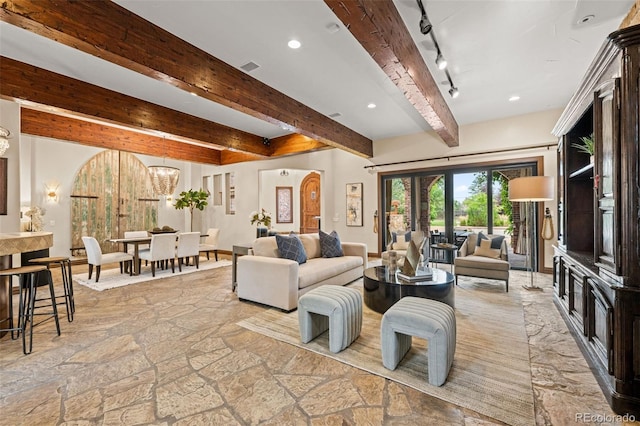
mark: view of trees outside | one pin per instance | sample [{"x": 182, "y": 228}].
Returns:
[{"x": 470, "y": 203}]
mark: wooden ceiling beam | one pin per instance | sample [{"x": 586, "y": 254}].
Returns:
[
  {"x": 55, "y": 126},
  {"x": 108, "y": 31},
  {"x": 294, "y": 144},
  {"x": 21, "y": 81},
  {"x": 379, "y": 28}
]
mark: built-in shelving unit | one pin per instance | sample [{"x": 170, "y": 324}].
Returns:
[{"x": 596, "y": 269}]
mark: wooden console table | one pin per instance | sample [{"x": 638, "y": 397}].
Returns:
[{"x": 12, "y": 243}]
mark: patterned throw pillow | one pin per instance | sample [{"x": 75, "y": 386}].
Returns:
[
  {"x": 290, "y": 247},
  {"x": 496, "y": 240},
  {"x": 330, "y": 244}
]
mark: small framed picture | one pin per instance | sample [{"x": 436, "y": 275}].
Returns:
[
  {"x": 354, "y": 204},
  {"x": 284, "y": 204}
]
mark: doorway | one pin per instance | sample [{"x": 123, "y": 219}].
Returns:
[
  {"x": 111, "y": 193},
  {"x": 449, "y": 204},
  {"x": 310, "y": 204}
]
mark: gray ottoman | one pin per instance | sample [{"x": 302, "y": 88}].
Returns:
[
  {"x": 429, "y": 319},
  {"x": 336, "y": 308}
]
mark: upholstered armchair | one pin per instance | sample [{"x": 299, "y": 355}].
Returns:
[
  {"x": 210, "y": 243},
  {"x": 400, "y": 243},
  {"x": 489, "y": 260}
]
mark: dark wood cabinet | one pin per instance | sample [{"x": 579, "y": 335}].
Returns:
[{"x": 597, "y": 258}]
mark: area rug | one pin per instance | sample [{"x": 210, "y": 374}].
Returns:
[
  {"x": 491, "y": 373},
  {"x": 112, "y": 278}
]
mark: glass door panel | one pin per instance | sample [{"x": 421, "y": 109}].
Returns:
[{"x": 470, "y": 207}]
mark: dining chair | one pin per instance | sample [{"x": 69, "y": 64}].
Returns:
[
  {"x": 137, "y": 234},
  {"x": 162, "y": 248},
  {"x": 96, "y": 258},
  {"x": 210, "y": 243},
  {"x": 188, "y": 246}
]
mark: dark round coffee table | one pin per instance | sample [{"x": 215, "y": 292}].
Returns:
[{"x": 382, "y": 289}]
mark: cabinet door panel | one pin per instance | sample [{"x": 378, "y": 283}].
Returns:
[{"x": 607, "y": 137}]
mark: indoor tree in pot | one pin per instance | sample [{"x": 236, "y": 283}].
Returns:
[{"x": 192, "y": 199}]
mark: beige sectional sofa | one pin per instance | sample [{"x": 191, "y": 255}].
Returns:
[{"x": 266, "y": 278}]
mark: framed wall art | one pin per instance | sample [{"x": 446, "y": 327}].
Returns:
[
  {"x": 354, "y": 204},
  {"x": 284, "y": 204}
]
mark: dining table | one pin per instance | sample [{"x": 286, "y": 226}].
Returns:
[{"x": 136, "y": 242}]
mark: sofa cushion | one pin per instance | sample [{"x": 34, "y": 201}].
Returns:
[
  {"x": 320, "y": 269},
  {"x": 400, "y": 245},
  {"x": 496, "y": 240},
  {"x": 330, "y": 244},
  {"x": 290, "y": 247},
  {"x": 481, "y": 262},
  {"x": 311, "y": 243},
  {"x": 485, "y": 250},
  {"x": 265, "y": 246}
]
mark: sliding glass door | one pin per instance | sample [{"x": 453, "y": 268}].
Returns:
[{"x": 449, "y": 204}]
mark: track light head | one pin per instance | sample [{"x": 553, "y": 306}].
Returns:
[
  {"x": 425, "y": 24},
  {"x": 441, "y": 62},
  {"x": 454, "y": 92}
]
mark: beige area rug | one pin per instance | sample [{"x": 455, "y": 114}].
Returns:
[
  {"x": 112, "y": 278},
  {"x": 491, "y": 373}
]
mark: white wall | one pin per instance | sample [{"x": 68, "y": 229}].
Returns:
[
  {"x": 56, "y": 161},
  {"x": 10, "y": 120}
]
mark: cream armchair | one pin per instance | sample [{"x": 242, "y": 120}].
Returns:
[
  {"x": 400, "y": 246},
  {"x": 482, "y": 262}
]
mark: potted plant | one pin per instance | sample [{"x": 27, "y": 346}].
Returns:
[
  {"x": 192, "y": 199},
  {"x": 587, "y": 146}
]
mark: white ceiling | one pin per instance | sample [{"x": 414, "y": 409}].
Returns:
[{"x": 495, "y": 49}]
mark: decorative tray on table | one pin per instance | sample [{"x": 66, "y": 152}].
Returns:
[{"x": 447, "y": 245}]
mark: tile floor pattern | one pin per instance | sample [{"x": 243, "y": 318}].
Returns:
[{"x": 169, "y": 352}]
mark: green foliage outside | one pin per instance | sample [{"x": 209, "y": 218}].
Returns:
[
  {"x": 436, "y": 201},
  {"x": 397, "y": 193}
]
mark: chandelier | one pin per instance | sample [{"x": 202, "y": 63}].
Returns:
[
  {"x": 164, "y": 179},
  {"x": 4, "y": 140}
]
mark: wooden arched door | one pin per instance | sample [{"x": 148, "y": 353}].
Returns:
[
  {"x": 111, "y": 193},
  {"x": 310, "y": 203}
]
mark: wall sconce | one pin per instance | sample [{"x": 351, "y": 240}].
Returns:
[
  {"x": 284, "y": 172},
  {"x": 52, "y": 193}
]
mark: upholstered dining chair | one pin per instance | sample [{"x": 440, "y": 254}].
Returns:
[
  {"x": 96, "y": 258},
  {"x": 210, "y": 243},
  {"x": 188, "y": 246},
  {"x": 136, "y": 234},
  {"x": 161, "y": 248}
]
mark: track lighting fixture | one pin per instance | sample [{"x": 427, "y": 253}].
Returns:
[
  {"x": 425, "y": 24},
  {"x": 441, "y": 62}
]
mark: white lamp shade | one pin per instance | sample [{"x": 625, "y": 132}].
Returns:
[{"x": 531, "y": 188}]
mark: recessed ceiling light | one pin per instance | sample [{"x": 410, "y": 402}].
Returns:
[
  {"x": 294, "y": 44},
  {"x": 586, "y": 19},
  {"x": 371, "y": 105},
  {"x": 193, "y": 93},
  {"x": 333, "y": 28},
  {"x": 514, "y": 98}
]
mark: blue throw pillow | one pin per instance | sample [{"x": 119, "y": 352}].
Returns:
[
  {"x": 290, "y": 247},
  {"x": 330, "y": 244},
  {"x": 496, "y": 240}
]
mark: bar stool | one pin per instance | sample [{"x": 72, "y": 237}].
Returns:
[
  {"x": 28, "y": 276},
  {"x": 67, "y": 280}
]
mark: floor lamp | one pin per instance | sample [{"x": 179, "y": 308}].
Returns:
[{"x": 530, "y": 189}]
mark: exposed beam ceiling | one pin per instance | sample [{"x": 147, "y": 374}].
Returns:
[
  {"x": 39, "y": 123},
  {"x": 106, "y": 30},
  {"x": 379, "y": 28}
]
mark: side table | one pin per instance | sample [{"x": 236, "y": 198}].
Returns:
[
  {"x": 237, "y": 250},
  {"x": 453, "y": 249}
]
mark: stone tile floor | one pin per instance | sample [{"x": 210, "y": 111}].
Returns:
[{"x": 169, "y": 352}]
